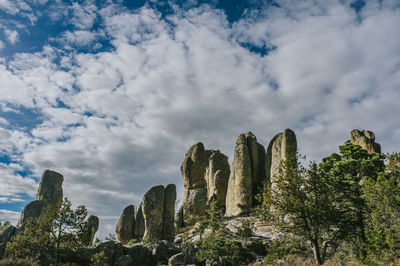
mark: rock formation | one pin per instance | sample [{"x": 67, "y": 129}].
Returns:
[
  {"x": 139, "y": 224},
  {"x": 90, "y": 230},
  {"x": 365, "y": 139},
  {"x": 32, "y": 209},
  {"x": 247, "y": 175},
  {"x": 205, "y": 173},
  {"x": 283, "y": 146},
  {"x": 50, "y": 188},
  {"x": 154, "y": 218},
  {"x": 153, "y": 211},
  {"x": 168, "y": 227},
  {"x": 126, "y": 224},
  {"x": 217, "y": 177},
  {"x": 49, "y": 192}
]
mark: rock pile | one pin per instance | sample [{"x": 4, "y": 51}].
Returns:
[
  {"x": 365, "y": 139},
  {"x": 154, "y": 219},
  {"x": 205, "y": 174}
]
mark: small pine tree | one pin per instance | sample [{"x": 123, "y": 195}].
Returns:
[{"x": 245, "y": 230}]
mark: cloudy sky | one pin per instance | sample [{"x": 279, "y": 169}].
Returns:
[{"x": 112, "y": 93}]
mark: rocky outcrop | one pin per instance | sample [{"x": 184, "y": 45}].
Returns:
[
  {"x": 7, "y": 230},
  {"x": 205, "y": 174},
  {"x": 139, "y": 224},
  {"x": 217, "y": 177},
  {"x": 157, "y": 214},
  {"x": 365, "y": 139},
  {"x": 247, "y": 175},
  {"x": 50, "y": 188},
  {"x": 49, "y": 193},
  {"x": 126, "y": 225},
  {"x": 153, "y": 210},
  {"x": 168, "y": 227},
  {"x": 283, "y": 146},
  {"x": 92, "y": 225},
  {"x": 32, "y": 209}
]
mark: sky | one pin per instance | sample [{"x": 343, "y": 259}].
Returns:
[{"x": 112, "y": 93}]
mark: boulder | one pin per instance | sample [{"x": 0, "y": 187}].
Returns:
[
  {"x": 365, "y": 139},
  {"x": 153, "y": 211},
  {"x": 239, "y": 193},
  {"x": 141, "y": 256},
  {"x": 193, "y": 168},
  {"x": 193, "y": 205},
  {"x": 168, "y": 225},
  {"x": 163, "y": 250},
  {"x": 283, "y": 146},
  {"x": 177, "y": 260},
  {"x": 139, "y": 224},
  {"x": 32, "y": 209},
  {"x": 126, "y": 225},
  {"x": 50, "y": 188},
  {"x": 217, "y": 177},
  {"x": 7, "y": 230},
  {"x": 91, "y": 228},
  {"x": 124, "y": 260},
  {"x": 205, "y": 173}
]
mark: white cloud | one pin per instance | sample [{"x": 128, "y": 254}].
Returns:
[
  {"x": 9, "y": 216},
  {"x": 134, "y": 111},
  {"x": 2, "y": 45},
  {"x": 12, "y": 36},
  {"x": 78, "y": 38}
]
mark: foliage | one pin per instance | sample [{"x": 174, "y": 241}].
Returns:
[
  {"x": 257, "y": 246},
  {"x": 4, "y": 225},
  {"x": 49, "y": 234},
  {"x": 221, "y": 251},
  {"x": 347, "y": 172},
  {"x": 245, "y": 230},
  {"x": 100, "y": 258},
  {"x": 382, "y": 197},
  {"x": 214, "y": 212},
  {"x": 286, "y": 245},
  {"x": 111, "y": 237},
  {"x": 35, "y": 241}
]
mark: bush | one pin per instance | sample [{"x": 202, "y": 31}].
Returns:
[
  {"x": 285, "y": 247},
  {"x": 222, "y": 251},
  {"x": 258, "y": 247}
]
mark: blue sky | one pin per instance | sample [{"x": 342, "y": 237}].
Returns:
[{"x": 112, "y": 93}]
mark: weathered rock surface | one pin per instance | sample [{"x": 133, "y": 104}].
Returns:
[
  {"x": 91, "y": 228},
  {"x": 50, "y": 188},
  {"x": 283, "y": 146},
  {"x": 32, "y": 209},
  {"x": 177, "y": 260},
  {"x": 126, "y": 225},
  {"x": 247, "y": 175},
  {"x": 205, "y": 173},
  {"x": 365, "y": 139},
  {"x": 217, "y": 177},
  {"x": 7, "y": 231},
  {"x": 139, "y": 224},
  {"x": 153, "y": 211},
  {"x": 168, "y": 225}
]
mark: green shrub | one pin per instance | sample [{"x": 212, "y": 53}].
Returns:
[{"x": 222, "y": 251}]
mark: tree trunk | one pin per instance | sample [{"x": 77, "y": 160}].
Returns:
[{"x": 317, "y": 253}]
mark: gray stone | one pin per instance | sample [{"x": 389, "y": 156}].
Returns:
[
  {"x": 126, "y": 225},
  {"x": 177, "y": 260},
  {"x": 217, "y": 177},
  {"x": 239, "y": 193},
  {"x": 365, "y": 139},
  {"x": 50, "y": 188},
  {"x": 141, "y": 256},
  {"x": 32, "y": 209},
  {"x": 153, "y": 211},
  {"x": 91, "y": 228},
  {"x": 139, "y": 224},
  {"x": 194, "y": 205},
  {"x": 280, "y": 147},
  {"x": 7, "y": 231},
  {"x": 193, "y": 168},
  {"x": 168, "y": 231}
]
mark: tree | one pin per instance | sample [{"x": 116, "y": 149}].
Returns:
[
  {"x": 214, "y": 213},
  {"x": 245, "y": 230},
  {"x": 303, "y": 201},
  {"x": 346, "y": 173},
  {"x": 382, "y": 197},
  {"x": 68, "y": 227},
  {"x": 35, "y": 241},
  {"x": 53, "y": 231}
]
